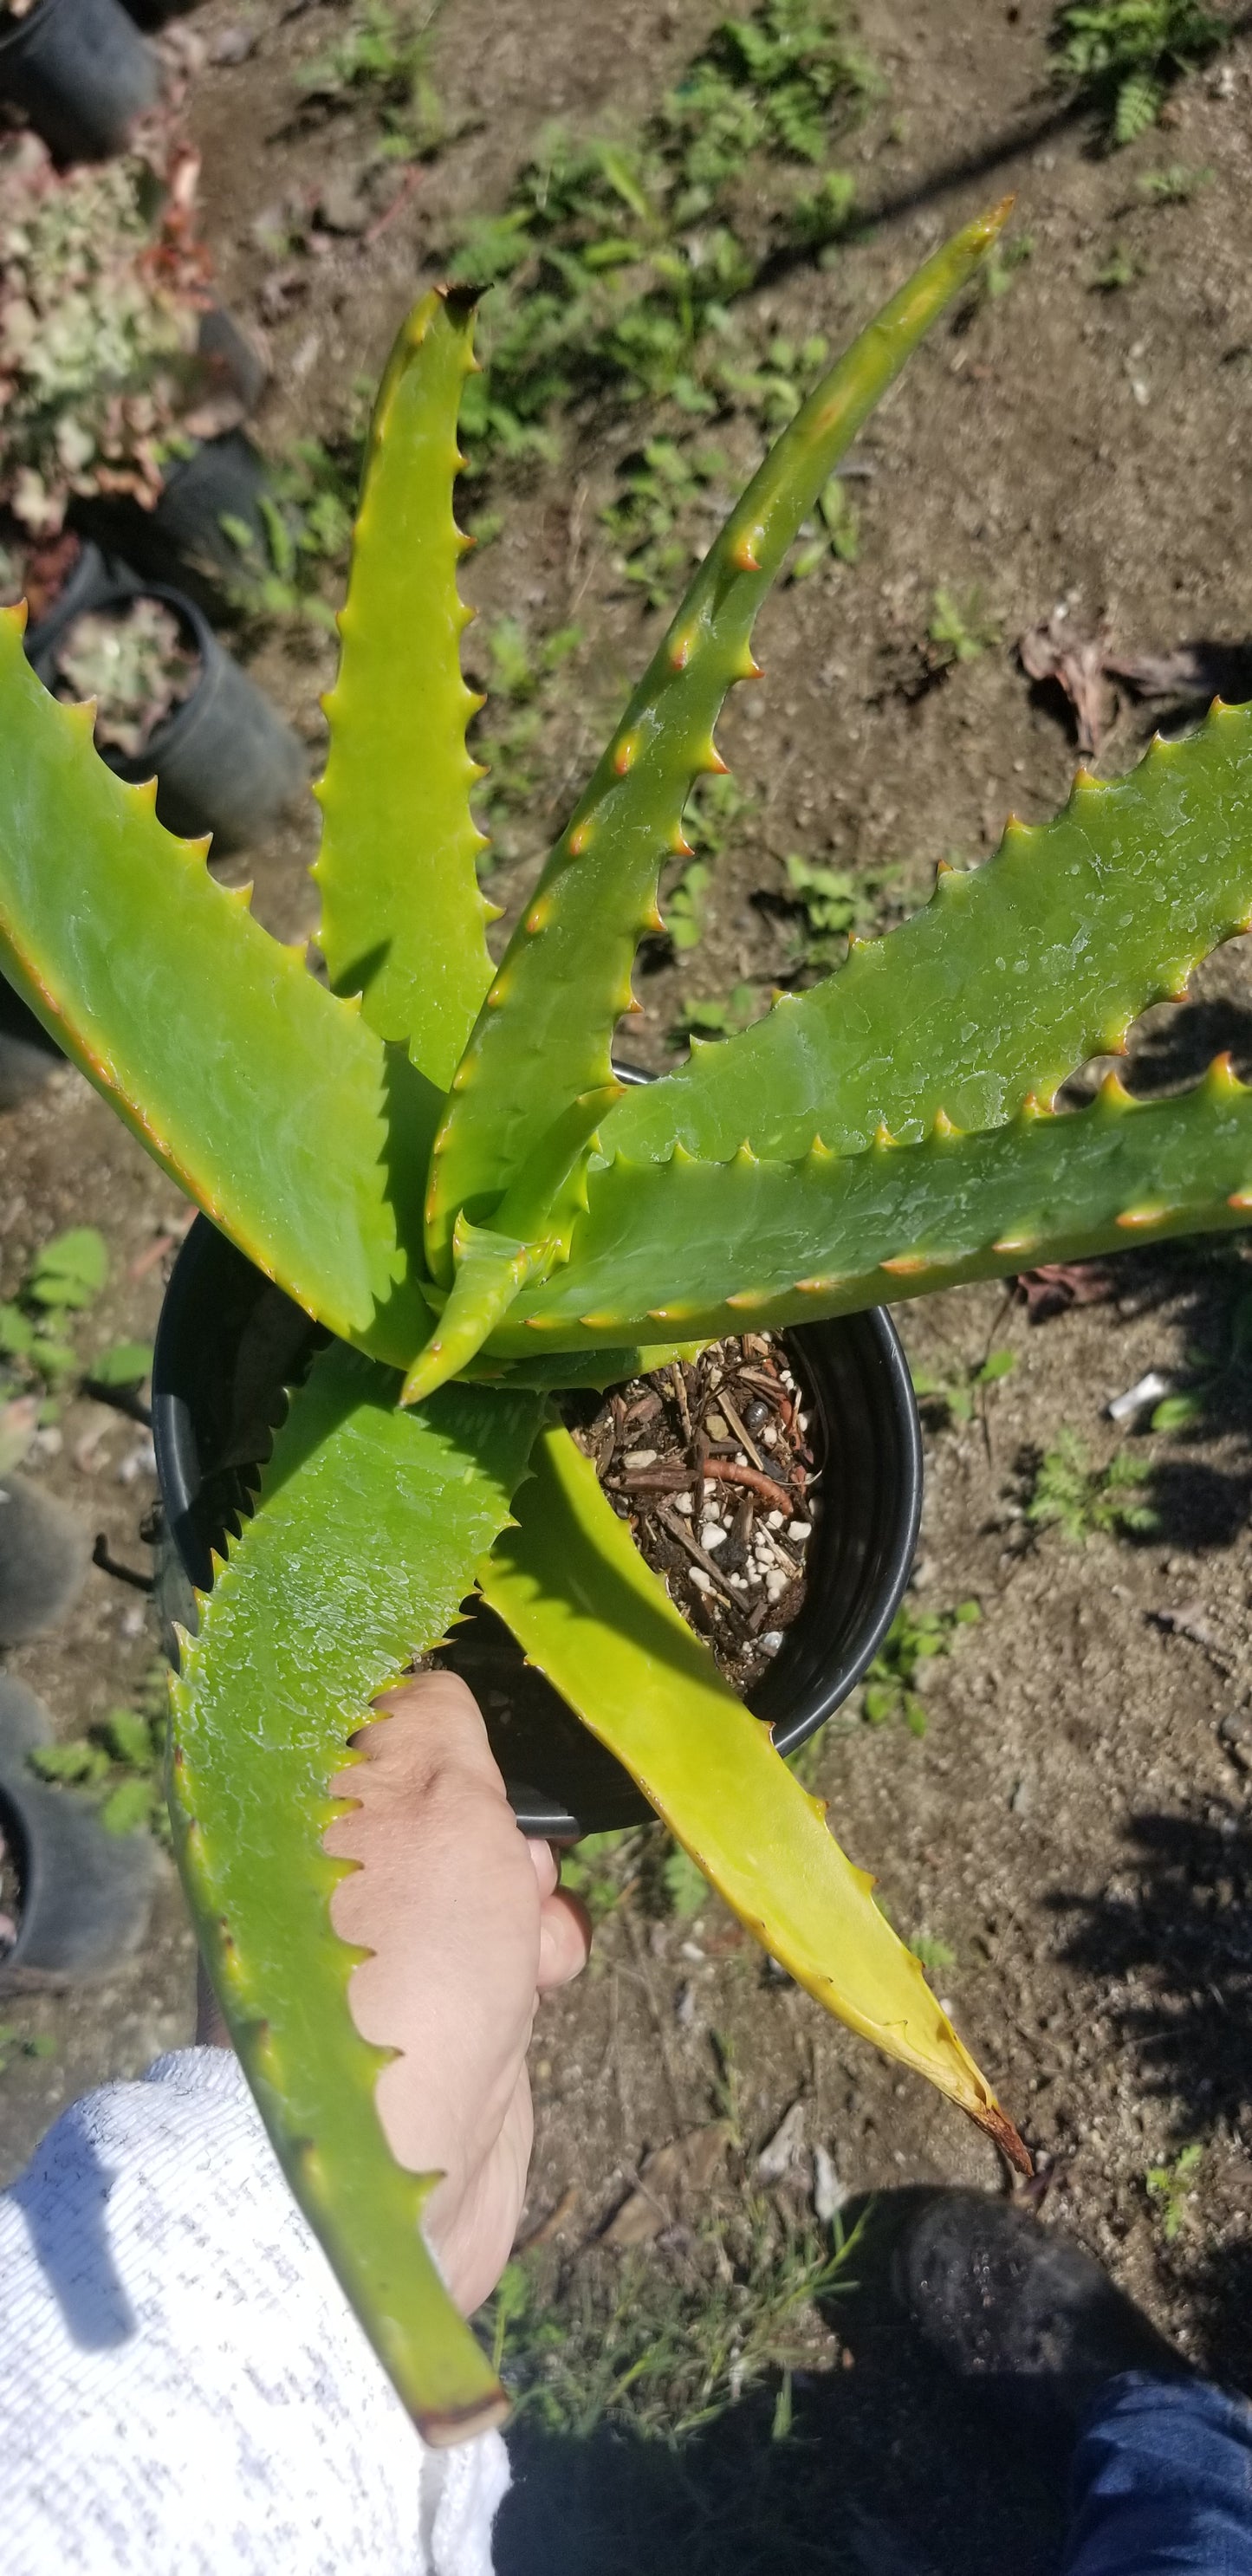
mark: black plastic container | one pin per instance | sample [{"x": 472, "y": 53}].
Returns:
[
  {"x": 228, "y": 1342},
  {"x": 86, "y": 1894},
  {"x": 80, "y": 72},
  {"x": 224, "y": 760}
]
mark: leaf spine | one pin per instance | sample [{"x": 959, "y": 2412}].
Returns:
[
  {"x": 743, "y": 554},
  {"x": 1151, "y": 1214},
  {"x": 577, "y": 840},
  {"x": 625, "y": 753},
  {"x": 906, "y": 1265}
]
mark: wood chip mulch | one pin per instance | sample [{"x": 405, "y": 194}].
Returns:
[{"x": 710, "y": 1463}]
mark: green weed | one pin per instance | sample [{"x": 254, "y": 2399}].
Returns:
[
  {"x": 614, "y": 265},
  {"x": 710, "y": 1018},
  {"x": 916, "y": 1639},
  {"x": 36, "y": 1353},
  {"x": 383, "y": 59},
  {"x": 956, "y": 1398},
  {"x": 1126, "y": 53},
  {"x": 836, "y": 531},
  {"x": 659, "y": 2346},
  {"x": 1172, "y": 2185},
  {"x": 935, "y": 1955},
  {"x": 119, "y": 1762},
  {"x": 959, "y": 629},
  {"x": 1086, "y": 1502},
  {"x": 597, "y": 1868},
  {"x": 1119, "y": 270},
  {"x": 12, "y": 2045},
  {"x": 1175, "y": 186}
]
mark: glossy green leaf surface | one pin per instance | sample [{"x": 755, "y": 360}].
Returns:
[
  {"x": 491, "y": 1268},
  {"x": 543, "y": 1036},
  {"x": 573, "y": 1587},
  {"x": 1014, "y": 973},
  {"x": 366, "y": 1533},
  {"x": 402, "y": 913},
  {"x": 703, "y": 1249},
  {"x": 264, "y": 1097}
]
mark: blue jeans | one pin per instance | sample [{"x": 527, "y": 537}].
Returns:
[{"x": 1161, "y": 2483}]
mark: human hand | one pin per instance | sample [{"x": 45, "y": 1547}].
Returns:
[{"x": 467, "y": 1928}]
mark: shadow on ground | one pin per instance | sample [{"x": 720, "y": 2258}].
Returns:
[
  {"x": 885, "y": 2470},
  {"x": 1172, "y": 1948}
]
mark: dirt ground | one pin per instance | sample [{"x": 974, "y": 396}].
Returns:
[{"x": 1074, "y": 1823}]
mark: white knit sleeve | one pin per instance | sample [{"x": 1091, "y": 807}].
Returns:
[{"x": 184, "y": 2390}]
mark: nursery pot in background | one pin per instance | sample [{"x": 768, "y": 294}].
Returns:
[
  {"x": 85, "y": 1894},
  {"x": 80, "y": 72},
  {"x": 224, "y": 760},
  {"x": 228, "y": 1344}
]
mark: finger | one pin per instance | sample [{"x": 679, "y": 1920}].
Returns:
[
  {"x": 564, "y": 1940},
  {"x": 547, "y": 1866}
]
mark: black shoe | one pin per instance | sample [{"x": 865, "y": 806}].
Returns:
[{"x": 1018, "y": 2311}]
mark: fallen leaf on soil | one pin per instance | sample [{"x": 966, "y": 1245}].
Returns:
[
  {"x": 1057, "y": 1285},
  {"x": 1059, "y": 650},
  {"x": 784, "y": 2150}
]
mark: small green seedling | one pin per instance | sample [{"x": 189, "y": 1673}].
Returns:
[
  {"x": 1127, "y": 52},
  {"x": 955, "y": 1398},
  {"x": 430, "y": 1152},
  {"x": 65, "y": 1278},
  {"x": 381, "y": 58},
  {"x": 1174, "y": 186},
  {"x": 699, "y": 1020},
  {"x": 14, "y": 2044},
  {"x": 915, "y": 1640},
  {"x": 120, "y": 1762},
  {"x": 1119, "y": 270},
  {"x": 1172, "y": 2187},
  {"x": 959, "y": 628},
  {"x": 935, "y": 1955},
  {"x": 1086, "y": 1502}
]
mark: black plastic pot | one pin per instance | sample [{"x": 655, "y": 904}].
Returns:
[
  {"x": 80, "y": 72},
  {"x": 95, "y": 578},
  {"x": 86, "y": 1894},
  {"x": 224, "y": 478},
  {"x": 224, "y": 760},
  {"x": 229, "y": 1341}
]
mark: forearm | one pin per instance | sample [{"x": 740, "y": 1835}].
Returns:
[{"x": 182, "y": 2383}]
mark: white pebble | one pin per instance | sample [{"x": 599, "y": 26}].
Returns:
[
  {"x": 641, "y": 1457},
  {"x": 799, "y": 1529},
  {"x": 713, "y": 1535},
  {"x": 771, "y": 1641},
  {"x": 682, "y": 1503},
  {"x": 740, "y": 1581},
  {"x": 769, "y": 1436},
  {"x": 775, "y": 1585},
  {"x": 774, "y": 1520},
  {"x": 702, "y": 1581}
]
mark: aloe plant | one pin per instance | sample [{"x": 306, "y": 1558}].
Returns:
[{"x": 432, "y": 1155}]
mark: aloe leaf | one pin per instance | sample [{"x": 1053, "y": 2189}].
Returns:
[
  {"x": 402, "y": 914},
  {"x": 491, "y": 1268},
  {"x": 264, "y": 1097},
  {"x": 575, "y": 1591},
  {"x": 704, "y": 1249},
  {"x": 1013, "y": 974},
  {"x": 361, "y": 1549},
  {"x": 543, "y": 1035}
]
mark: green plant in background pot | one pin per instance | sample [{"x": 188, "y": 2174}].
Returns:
[
  {"x": 102, "y": 292},
  {"x": 434, "y": 1158}
]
